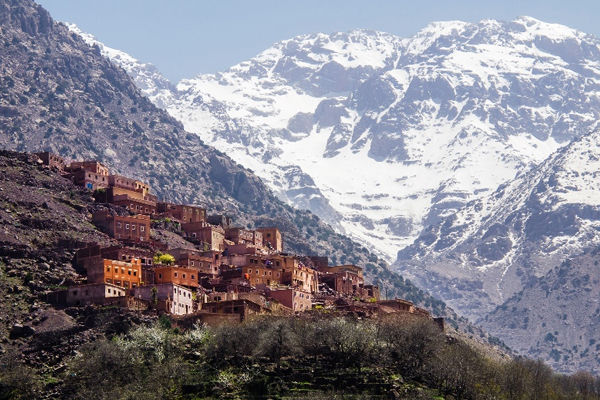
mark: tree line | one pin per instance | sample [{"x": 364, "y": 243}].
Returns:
[{"x": 319, "y": 357}]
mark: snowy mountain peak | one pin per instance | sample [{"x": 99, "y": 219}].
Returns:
[{"x": 419, "y": 126}]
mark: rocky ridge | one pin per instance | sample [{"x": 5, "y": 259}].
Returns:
[{"x": 494, "y": 257}]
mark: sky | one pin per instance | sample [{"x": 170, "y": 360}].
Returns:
[{"x": 184, "y": 38}]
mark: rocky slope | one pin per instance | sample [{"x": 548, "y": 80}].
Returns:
[
  {"x": 57, "y": 93},
  {"x": 419, "y": 126},
  {"x": 509, "y": 243},
  {"x": 557, "y": 316}
]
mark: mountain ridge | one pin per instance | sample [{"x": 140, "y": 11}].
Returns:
[
  {"x": 496, "y": 253},
  {"x": 425, "y": 111}
]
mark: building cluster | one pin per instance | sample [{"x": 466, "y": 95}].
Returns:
[{"x": 224, "y": 272}]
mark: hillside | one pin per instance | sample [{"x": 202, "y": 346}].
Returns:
[
  {"x": 60, "y": 94},
  {"x": 420, "y": 125},
  {"x": 556, "y": 317},
  {"x": 503, "y": 250}
]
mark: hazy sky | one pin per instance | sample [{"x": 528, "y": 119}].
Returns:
[{"x": 186, "y": 37}]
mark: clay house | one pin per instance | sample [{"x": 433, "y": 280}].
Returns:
[
  {"x": 182, "y": 213},
  {"x": 134, "y": 228},
  {"x": 262, "y": 276},
  {"x": 242, "y": 248},
  {"x": 296, "y": 274},
  {"x": 296, "y": 300},
  {"x": 301, "y": 278},
  {"x": 92, "y": 166},
  {"x": 94, "y": 293},
  {"x": 176, "y": 275},
  {"x": 271, "y": 238},
  {"x": 242, "y": 307},
  {"x": 84, "y": 255},
  {"x": 372, "y": 292},
  {"x": 242, "y": 260},
  {"x": 137, "y": 206},
  {"x": 215, "y": 255},
  {"x": 120, "y": 273},
  {"x": 209, "y": 236},
  {"x": 222, "y": 220},
  {"x": 244, "y": 241},
  {"x": 89, "y": 174},
  {"x": 122, "y": 182},
  {"x": 344, "y": 279},
  {"x": 51, "y": 160},
  {"x": 182, "y": 252},
  {"x": 239, "y": 235},
  {"x": 168, "y": 297},
  {"x": 398, "y": 304},
  {"x": 229, "y": 273},
  {"x": 127, "y": 253},
  {"x": 204, "y": 265},
  {"x": 148, "y": 275},
  {"x": 220, "y": 296}
]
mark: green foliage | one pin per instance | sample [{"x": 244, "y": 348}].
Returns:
[
  {"x": 17, "y": 381},
  {"x": 163, "y": 258},
  {"x": 165, "y": 323}
]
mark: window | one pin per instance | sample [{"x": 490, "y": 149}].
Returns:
[
  {"x": 108, "y": 291},
  {"x": 74, "y": 292},
  {"x": 159, "y": 276},
  {"x": 134, "y": 273},
  {"x": 87, "y": 292},
  {"x": 108, "y": 268},
  {"x": 119, "y": 225},
  {"x": 192, "y": 263},
  {"x": 183, "y": 276},
  {"x": 129, "y": 272},
  {"x": 133, "y": 227},
  {"x": 175, "y": 274},
  {"x": 142, "y": 227},
  {"x": 193, "y": 277},
  {"x": 126, "y": 226}
]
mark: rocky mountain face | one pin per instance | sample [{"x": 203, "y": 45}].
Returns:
[
  {"x": 556, "y": 317},
  {"x": 516, "y": 259},
  {"x": 383, "y": 136},
  {"x": 58, "y": 93}
]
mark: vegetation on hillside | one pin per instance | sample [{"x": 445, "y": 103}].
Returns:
[{"x": 323, "y": 356}]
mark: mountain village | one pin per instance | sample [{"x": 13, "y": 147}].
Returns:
[{"x": 222, "y": 273}]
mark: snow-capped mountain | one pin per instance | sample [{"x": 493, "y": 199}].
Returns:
[
  {"x": 523, "y": 260},
  {"x": 493, "y": 247},
  {"x": 382, "y": 136}
]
